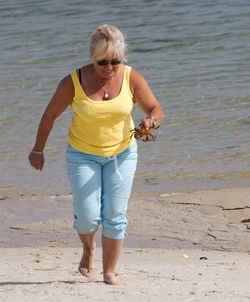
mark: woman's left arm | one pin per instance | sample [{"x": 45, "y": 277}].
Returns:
[{"x": 146, "y": 100}]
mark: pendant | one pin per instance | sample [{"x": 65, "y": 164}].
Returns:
[{"x": 106, "y": 96}]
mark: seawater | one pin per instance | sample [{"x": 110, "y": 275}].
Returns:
[{"x": 195, "y": 57}]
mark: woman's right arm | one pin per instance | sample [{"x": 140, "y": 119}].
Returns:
[{"x": 61, "y": 99}]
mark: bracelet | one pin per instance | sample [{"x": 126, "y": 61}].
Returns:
[
  {"x": 152, "y": 117},
  {"x": 37, "y": 152}
]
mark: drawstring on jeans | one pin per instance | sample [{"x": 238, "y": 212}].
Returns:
[{"x": 116, "y": 165}]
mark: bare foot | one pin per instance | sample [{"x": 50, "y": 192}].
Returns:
[
  {"x": 109, "y": 278},
  {"x": 86, "y": 263}
]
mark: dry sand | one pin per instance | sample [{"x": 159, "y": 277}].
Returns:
[
  {"x": 50, "y": 274},
  {"x": 181, "y": 247}
]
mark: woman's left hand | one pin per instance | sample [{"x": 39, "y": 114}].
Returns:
[{"x": 149, "y": 123}]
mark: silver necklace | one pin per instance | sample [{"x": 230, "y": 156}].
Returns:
[{"x": 106, "y": 95}]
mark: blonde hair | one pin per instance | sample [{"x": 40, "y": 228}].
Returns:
[{"x": 107, "y": 40}]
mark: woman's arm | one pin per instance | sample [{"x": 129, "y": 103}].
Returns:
[
  {"x": 146, "y": 100},
  {"x": 61, "y": 99}
]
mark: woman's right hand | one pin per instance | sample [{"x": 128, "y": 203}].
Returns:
[{"x": 36, "y": 160}]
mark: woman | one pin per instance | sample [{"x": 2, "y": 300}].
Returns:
[{"x": 101, "y": 156}]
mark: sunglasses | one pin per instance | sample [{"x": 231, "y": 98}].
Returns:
[{"x": 105, "y": 62}]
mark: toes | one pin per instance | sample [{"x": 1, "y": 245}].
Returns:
[
  {"x": 84, "y": 271},
  {"x": 111, "y": 280}
]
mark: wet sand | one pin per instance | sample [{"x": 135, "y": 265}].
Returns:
[{"x": 192, "y": 246}]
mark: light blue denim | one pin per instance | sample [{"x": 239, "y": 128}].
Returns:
[{"x": 101, "y": 187}]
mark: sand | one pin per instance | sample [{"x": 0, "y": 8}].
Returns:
[{"x": 192, "y": 246}]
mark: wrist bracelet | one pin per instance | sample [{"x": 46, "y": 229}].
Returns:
[
  {"x": 37, "y": 152},
  {"x": 152, "y": 117}
]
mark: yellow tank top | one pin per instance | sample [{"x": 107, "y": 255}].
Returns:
[{"x": 102, "y": 127}]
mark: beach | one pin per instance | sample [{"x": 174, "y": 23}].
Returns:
[
  {"x": 191, "y": 246},
  {"x": 189, "y": 212}
]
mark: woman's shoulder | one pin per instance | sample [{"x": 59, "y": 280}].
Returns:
[
  {"x": 66, "y": 85},
  {"x": 136, "y": 79},
  {"x": 135, "y": 75},
  {"x": 66, "y": 81}
]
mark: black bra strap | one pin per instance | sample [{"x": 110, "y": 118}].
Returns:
[{"x": 80, "y": 76}]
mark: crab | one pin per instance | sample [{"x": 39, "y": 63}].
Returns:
[{"x": 138, "y": 133}]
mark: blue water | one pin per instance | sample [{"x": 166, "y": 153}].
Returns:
[{"x": 195, "y": 56}]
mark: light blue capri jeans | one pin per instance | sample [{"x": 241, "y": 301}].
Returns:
[{"x": 101, "y": 187}]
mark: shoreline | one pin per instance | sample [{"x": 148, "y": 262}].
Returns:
[{"x": 214, "y": 220}]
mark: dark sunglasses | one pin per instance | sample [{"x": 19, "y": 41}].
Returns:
[{"x": 105, "y": 62}]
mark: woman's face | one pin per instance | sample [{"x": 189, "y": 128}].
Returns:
[{"x": 107, "y": 67}]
